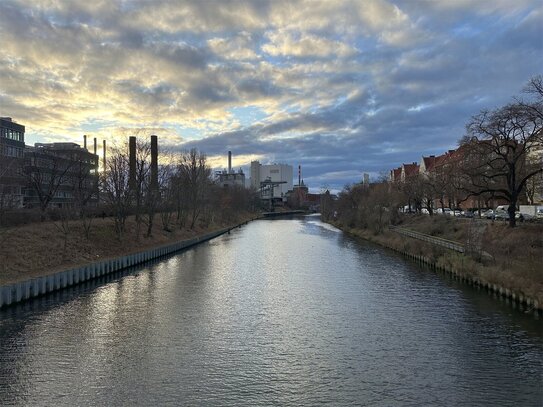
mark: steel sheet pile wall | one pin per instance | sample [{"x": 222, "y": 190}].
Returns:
[{"x": 17, "y": 292}]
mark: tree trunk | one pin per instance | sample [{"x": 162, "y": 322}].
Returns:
[{"x": 511, "y": 211}]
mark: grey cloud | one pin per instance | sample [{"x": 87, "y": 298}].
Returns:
[
  {"x": 256, "y": 88},
  {"x": 156, "y": 62},
  {"x": 183, "y": 54}
]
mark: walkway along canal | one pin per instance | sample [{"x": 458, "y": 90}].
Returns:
[{"x": 279, "y": 312}]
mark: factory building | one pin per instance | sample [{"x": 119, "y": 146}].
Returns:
[
  {"x": 230, "y": 178},
  {"x": 276, "y": 173},
  {"x": 12, "y": 180}
]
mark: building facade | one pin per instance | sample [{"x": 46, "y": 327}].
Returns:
[
  {"x": 280, "y": 173},
  {"x": 12, "y": 180},
  {"x": 61, "y": 174}
]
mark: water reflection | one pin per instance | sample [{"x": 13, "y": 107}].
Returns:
[{"x": 284, "y": 312}]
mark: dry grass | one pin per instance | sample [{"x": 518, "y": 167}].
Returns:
[
  {"x": 446, "y": 227},
  {"x": 37, "y": 249}
]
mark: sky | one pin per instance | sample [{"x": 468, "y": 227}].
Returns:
[{"x": 341, "y": 88}]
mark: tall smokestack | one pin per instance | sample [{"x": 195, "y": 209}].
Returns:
[
  {"x": 132, "y": 162},
  {"x": 299, "y": 175},
  {"x": 95, "y": 146},
  {"x": 104, "y": 153},
  {"x": 154, "y": 162},
  {"x": 84, "y": 141},
  {"x": 229, "y": 162}
]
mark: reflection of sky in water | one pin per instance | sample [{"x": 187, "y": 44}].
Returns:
[{"x": 286, "y": 312}]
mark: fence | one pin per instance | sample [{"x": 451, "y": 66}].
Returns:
[{"x": 438, "y": 241}]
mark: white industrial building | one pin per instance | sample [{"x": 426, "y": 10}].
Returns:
[{"x": 274, "y": 173}]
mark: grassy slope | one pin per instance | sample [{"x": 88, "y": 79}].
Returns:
[
  {"x": 38, "y": 249},
  {"x": 518, "y": 253}
]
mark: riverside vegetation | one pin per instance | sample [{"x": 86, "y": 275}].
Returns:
[
  {"x": 132, "y": 215},
  {"x": 495, "y": 252},
  {"x": 499, "y": 158}
]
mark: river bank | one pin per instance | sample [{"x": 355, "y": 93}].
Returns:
[
  {"x": 513, "y": 271},
  {"x": 41, "y": 249},
  {"x": 279, "y": 312}
]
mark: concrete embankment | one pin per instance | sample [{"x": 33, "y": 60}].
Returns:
[
  {"x": 25, "y": 290},
  {"x": 510, "y": 295}
]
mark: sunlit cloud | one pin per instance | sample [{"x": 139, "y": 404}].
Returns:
[{"x": 339, "y": 87}]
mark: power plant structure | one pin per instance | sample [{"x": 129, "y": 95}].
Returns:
[
  {"x": 230, "y": 178},
  {"x": 262, "y": 177}
]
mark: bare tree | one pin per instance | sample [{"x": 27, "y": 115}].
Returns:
[
  {"x": 195, "y": 174},
  {"x": 168, "y": 193},
  {"x": 349, "y": 204},
  {"x": 45, "y": 174},
  {"x": 414, "y": 190},
  {"x": 178, "y": 188},
  {"x": 159, "y": 197},
  {"x": 327, "y": 203},
  {"x": 63, "y": 221},
  {"x": 497, "y": 150},
  {"x": 140, "y": 186},
  {"x": 115, "y": 187},
  {"x": 84, "y": 188},
  {"x": 379, "y": 204}
]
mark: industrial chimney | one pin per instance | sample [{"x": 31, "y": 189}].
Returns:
[
  {"x": 84, "y": 141},
  {"x": 229, "y": 162},
  {"x": 104, "y": 153},
  {"x": 132, "y": 162},
  {"x": 154, "y": 162},
  {"x": 95, "y": 146}
]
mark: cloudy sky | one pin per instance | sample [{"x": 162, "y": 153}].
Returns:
[{"x": 340, "y": 87}]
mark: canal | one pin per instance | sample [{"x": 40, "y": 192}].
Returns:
[{"x": 280, "y": 312}]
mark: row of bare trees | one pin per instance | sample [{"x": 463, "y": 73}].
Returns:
[
  {"x": 183, "y": 195},
  {"x": 501, "y": 157},
  {"x": 368, "y": 206}
]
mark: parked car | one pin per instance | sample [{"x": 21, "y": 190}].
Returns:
[
  {"x": 489, "y": 214},
  {"x": 468, "y": 214},
  {"x": 524, "y": 216},
  {"x": 457, "y": 212},
  {"x": 501, "y": 215},
  {"x": 443, "y": 211},
  {"x": 425, "y": 211}
]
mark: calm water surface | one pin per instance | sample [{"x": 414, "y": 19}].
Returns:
[{"x": 280, "y": 312}]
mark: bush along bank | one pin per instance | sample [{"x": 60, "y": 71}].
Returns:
[
  {"x": 461, "y": 267},
  {"x": 24, "y": 290}
]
